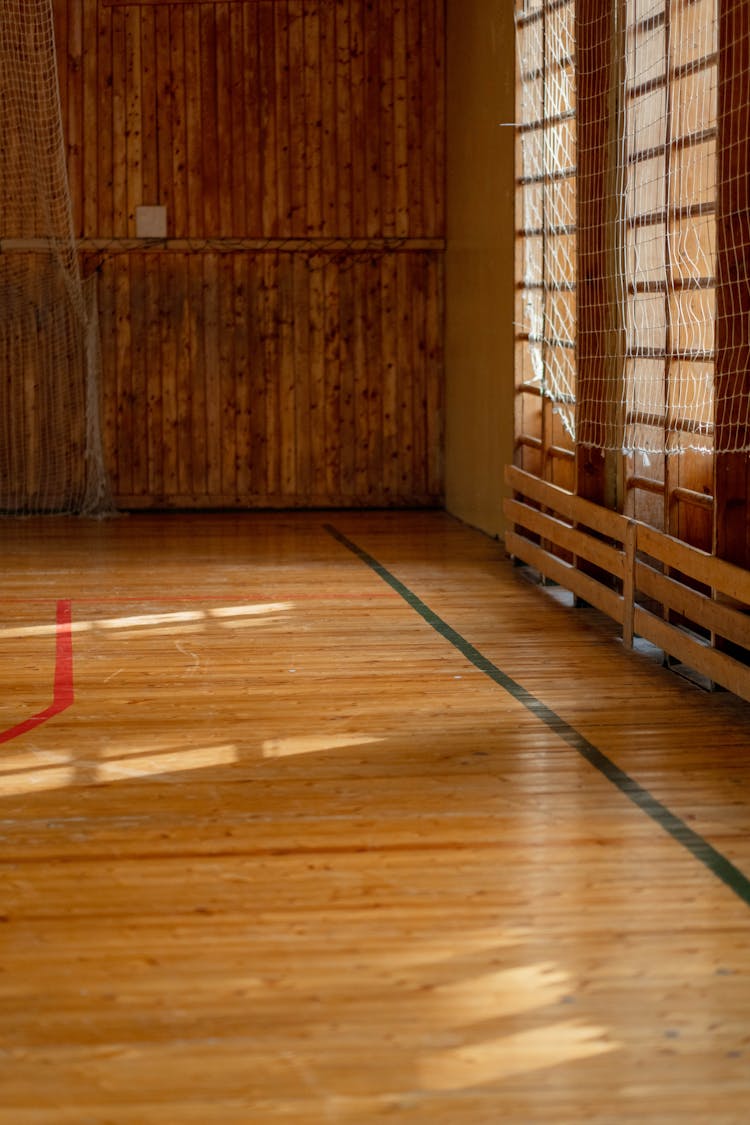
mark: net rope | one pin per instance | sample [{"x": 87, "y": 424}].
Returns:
[
  {"x": 546, "y": 115},
  {"x": 50, "y": 440},
  {"x": 657, "y": 347}
]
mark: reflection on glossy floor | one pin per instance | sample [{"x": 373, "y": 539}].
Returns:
[{"x": 276, "y": 847}]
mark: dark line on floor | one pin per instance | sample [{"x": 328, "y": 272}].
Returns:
[{"x": 699, "y": 848}]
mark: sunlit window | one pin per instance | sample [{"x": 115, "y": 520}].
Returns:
[{"x": 546, "y": 238}]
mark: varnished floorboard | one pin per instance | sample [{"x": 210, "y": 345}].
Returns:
[{"x": 274, "y": 848}]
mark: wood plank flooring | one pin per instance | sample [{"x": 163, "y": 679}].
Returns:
[{"x": 299, "y": 826}]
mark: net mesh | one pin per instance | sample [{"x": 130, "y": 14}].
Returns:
[
  {"x": 547, "y": 162},
  {"x": 656, "y": 360},
  {"x": 50, "y": 445}
]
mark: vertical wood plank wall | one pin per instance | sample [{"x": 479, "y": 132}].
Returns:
[
  {"x": 732, "y": 470},
  {"x": 596, "y": 469},
  {"x": 283, "y": 344}
]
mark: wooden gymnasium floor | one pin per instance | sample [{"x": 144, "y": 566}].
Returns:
[{"x": 338, "y": 819}]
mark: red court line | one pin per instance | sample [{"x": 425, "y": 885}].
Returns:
[{"x": 62, "y": 695}]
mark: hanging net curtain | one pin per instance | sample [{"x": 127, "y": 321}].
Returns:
[
  {"x": 50, "y": 445},
  {"x": 658, "y": 344}
]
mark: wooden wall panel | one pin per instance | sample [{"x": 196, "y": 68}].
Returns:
[
  {"x": 283, "y": 345},
  {"x": 255, "y": 119},
  {"x": 275, "y": 378}
]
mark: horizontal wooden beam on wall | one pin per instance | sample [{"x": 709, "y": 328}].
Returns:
[
  {"x": 258, "y": 245},
  {"x": 143, "y": 3}
]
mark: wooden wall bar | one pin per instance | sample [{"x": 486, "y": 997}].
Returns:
[
  {"x": 594, "y": 58},
  {"x": 283, "y": 345},
  {"x": 732, "y": 470}
]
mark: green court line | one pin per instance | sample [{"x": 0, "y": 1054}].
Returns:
[{"x": 699, "y": 848}]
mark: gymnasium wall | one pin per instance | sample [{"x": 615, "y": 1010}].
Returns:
[
  {"x": 283, "y": 345},
  {"x": 479, "y": 259}
]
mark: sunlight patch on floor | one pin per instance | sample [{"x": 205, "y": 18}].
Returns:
[
  {"x": 250, "y": 610},
  {"x": 36, "y": 780},
  {"x": 177, "y": 762},
  {"x": 520, "y": 1052},
  {"x": 511, "y": 991},
  {"x": 225, "y": 614},
  {"x": 313, "y": 744},
  {"x": 33, "y": 773},
  {"x": 48, "y": 630},
  {"x": 150, "y": 619}
]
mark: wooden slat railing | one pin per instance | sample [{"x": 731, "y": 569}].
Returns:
[
  {"x": 587, "y": 531},
  {"x": 643, "y": 579}
]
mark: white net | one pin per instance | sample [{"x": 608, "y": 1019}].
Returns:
[
  {"x": 654, "y": 65},
  {"x": 50, "y": 448},
  {"x": 547, "y": 159}
]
